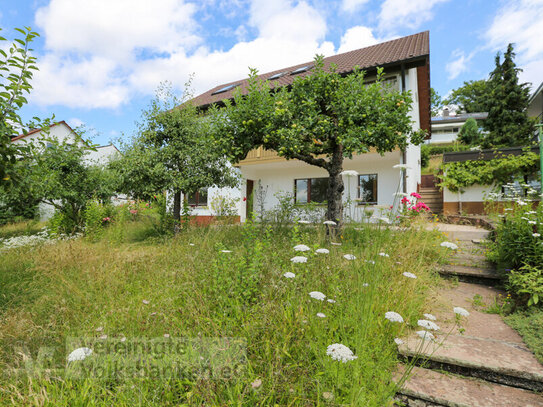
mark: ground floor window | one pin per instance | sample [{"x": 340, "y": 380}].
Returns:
[
  {"x": 367, "y": 189},
  {"x": 310, "y": 190},
  {"x": 198, "y": 198}
]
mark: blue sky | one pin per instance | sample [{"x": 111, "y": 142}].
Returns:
[{"x": 101, "y": 60}]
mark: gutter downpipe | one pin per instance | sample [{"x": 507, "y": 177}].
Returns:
[
  {"x": 540, "y": 125},
  {"x": 404, "y": 158}
]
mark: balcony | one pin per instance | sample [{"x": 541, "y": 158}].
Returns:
[{"x": 261, "y": 155}]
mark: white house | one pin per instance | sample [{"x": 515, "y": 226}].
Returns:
[
  {"x": 62, "y": 132},
  {"x": 445, "y": 128},
  {"x": 407, "y": 66}
]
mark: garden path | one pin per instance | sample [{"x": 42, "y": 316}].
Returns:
[{"x": 481, "y": 361}]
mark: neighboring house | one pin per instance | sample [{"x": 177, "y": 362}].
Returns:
[
  {"x": 535, "y": 104},
  {"x": 62, "y": 132},
  {"x": 471, "y": 200},
  {"x": 445, "y": 128},
  {"x": 406, "y": 63}
]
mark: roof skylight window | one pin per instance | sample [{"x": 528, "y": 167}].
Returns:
[
  {"x": 302, "y": 69},
  {"x": 225, "y": 89},
  {"x": 277, "y": 75}
]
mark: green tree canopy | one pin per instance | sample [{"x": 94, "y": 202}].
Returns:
[
  {"x": 470, "y": 97},
  {"x": 507, "y": 123},
  {"x": 469, "y": 133},
  {"x": 322, "y": 119},
  {"x": 172, "y": 150},
  {"x": 16, "y": 70},
  {"x": 436, "y": 102}
]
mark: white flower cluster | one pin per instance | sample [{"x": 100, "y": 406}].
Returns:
[
  {"x": 340, "y": 352},
  {"x": 301, "y": 248},
  {"x": 79, "y": 354},
  {"x": 299, "y": 259},
  {"x": 428, "y": 324},
  {"x": 42, "y": 237},
  {"x": 409, "y": 275},
  {"x": 461, "y": 311},
  {"x": 349, "y": 256},
  {"x": 449, "y": 245},
  {"x": 317, "y": 295},
  {"x": 393, "y": 316}
]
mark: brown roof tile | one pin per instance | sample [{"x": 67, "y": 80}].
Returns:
[{"x": 401, "y": 49}]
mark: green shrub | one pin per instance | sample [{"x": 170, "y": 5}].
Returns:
[{"x": 527, "y": 284}]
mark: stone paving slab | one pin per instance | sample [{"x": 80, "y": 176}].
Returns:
[
  {"x": 430, "y": 388},
  {"x": 492, "y": 360},
  {"x": 470, "y": 274},
  {"x": 460, "y": 232}
]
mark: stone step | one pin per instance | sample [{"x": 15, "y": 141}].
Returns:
[
  {"x": 481, "y": 346},
  {"x": 470, "y": 274},
  {"x": 491, "y": 360},
  {"x": 425, "y": 388},
  {"x": 470, "y": 260}
]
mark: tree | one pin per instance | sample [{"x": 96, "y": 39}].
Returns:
[
  {"x": 436, "y": 102},
  {"x": 173, "y": 150},
  {"x": 16, "y": 69},
  {"x": 321, "y": 120},
  {"x": 507, "y": 123},
  {"x": 469, "y": 133},
  {"x": 471, "y": 97}
]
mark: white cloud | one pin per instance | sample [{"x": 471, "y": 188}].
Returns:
[
  {"x": 357, "y": 37},
  {"x": 520, "y": 22},
  {"x": 117, "y": 28},
  {"x": 75, "y": 122},
  {"x": 459, "y": 64},
  {"x": 352, "y": 5},
  {"x": 100, "y": 54},
  {"x": 401, "y": 13}
]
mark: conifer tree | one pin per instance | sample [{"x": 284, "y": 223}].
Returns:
[{"x": 507, "y": 123}]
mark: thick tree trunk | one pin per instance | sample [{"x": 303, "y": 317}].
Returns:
[
  {"x": 177, "y": 206},
  {"x": 335, "y": 188}
]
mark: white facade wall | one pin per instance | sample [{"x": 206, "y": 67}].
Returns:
[
  {"x": 474, "y": 193},
  {"x": 214, "y": 193},
  {"x": 278, "y": 178}
]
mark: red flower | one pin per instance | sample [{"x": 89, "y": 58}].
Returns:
[
  {"x": 244, "y": 198},
  {"x": 415, "y": 195},
  {"x": 405, "y": 201}
]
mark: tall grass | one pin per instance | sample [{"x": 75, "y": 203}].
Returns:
[{"x": 155, "y": 287}]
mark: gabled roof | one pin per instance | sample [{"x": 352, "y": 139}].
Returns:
[
  {"x": 391, "y": 52},
  {"x": 34, "y": 131}
]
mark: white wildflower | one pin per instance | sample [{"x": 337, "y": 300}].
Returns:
[
  {"x": 508, "y": 209},
  {"x": 349, "y": 256},
  {"x": 304, "y": 222},
  {"x": 331, "y": 301},
  {"x": 329, "y": 222},
  {"x": 349, "y": 173},
  {"x": 322, "y": 251},
  {"x": 288, "y": 274},
  {"x": 461, "y": 311},
  {"x": 365, "y": 285},
  {"x": 521, "y": 203},
  {"x": 301, "y": 248},
  {"x": 317, "y": 295},
  {"x": 409, "y": 275},
  {"x": 335, "y": 244},
  {"x": 256, "y": 384},
  {"x": 428, "y": 324},
  {"x": 532, "y": 222},
  {"x": 449, "y": 245},
  {"x": 146, "y": 302},
  {"x": 536, "y": 234},
  {"x": 393, "y": 316},
  {"x": 384, "y": 219},
  {"x": 191, "y": 244},
  {"x": 226, "y": 251},
  {"x": 401, "y": 167},
  {"x": 430, "y": 317},
  {"x": 321, "y": 315},
  {"x": 299, "y": 259},
  {"x": 427, "y": 336},
  {"x": 340, "y": 352},
  {"x": 382, "y": 254},
  {"x": 398, "y": 341},
  {"x": 370, "y": 261},
  {"x": 79, "y": 354}
]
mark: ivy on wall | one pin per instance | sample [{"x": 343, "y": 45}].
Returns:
[{"x": 500, "y": 170}]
